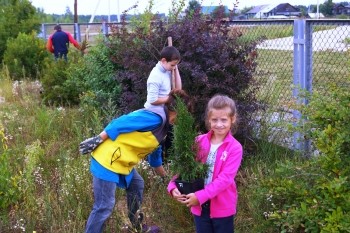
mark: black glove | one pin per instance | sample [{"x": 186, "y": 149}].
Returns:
[{"x": 89, "y": 144}]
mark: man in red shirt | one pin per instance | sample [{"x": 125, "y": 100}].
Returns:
[{"x": 58, "y": 43}]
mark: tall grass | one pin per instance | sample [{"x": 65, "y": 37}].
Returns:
[
  {"x": 52, "y": 179},
  {"x": 49, "y": 183}
]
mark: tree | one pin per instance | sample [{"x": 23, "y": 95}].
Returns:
[
  {"x": 327, "y": 8},
  {"x": 68, "y": 16},
  {"x": 219, "y": 12},
  {"x": 303, "y": 9},
  {"x": 193, "y": 5},
  {"x": 16, "y": 16}
]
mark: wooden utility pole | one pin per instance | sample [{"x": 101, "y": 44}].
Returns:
[
  {"x": 170, "y": 43},
  {"x": 75, "y": 11},
  {"x": 75, "y": 17}
]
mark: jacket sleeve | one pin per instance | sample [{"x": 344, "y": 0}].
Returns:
[
  {"x": 172, "y": 184},
  {"x": 72, "y": 41},
  {"x": 231, "y": 161},
  {"x": 155, "y": 158},
  {"x": 49, "y": 46},
  {"x": 135, "y": 121}
]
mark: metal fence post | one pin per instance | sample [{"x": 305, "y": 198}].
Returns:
[
  {"x": 299, "y": 79},
  {"x": 104, "y": 29},
  {"x": 77, "y": 32},
  {"x": 43, "y": 31},
  {"x": 308, "y": 74}
]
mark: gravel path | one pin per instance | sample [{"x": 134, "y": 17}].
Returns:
[{"x": 326, "y": 40}]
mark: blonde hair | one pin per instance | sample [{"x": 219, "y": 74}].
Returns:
[{"x": 220, "y": 102}]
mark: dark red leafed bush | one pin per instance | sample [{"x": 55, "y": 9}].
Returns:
[{"x": 213, "y": 61}]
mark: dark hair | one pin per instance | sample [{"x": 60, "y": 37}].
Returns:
[
  {"x": 170, "y": 53},
  {"x": 177, "y": 93},
  {"x": 57, "y": 27}
]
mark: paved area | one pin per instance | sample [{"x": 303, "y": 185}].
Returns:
[{"x": 327, "y": 40}]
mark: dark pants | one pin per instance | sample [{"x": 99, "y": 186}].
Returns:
[
  {"x": 205, "y": 224},
  {"x": 60, "y": 56}
]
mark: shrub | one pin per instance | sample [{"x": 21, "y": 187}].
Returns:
[
  {"x": 88, "y": 79},
  {"x": 96, "y": 73},
  {"x": 212, "y": 62},
  {"x": 25, "y": 56},
  {"x": 16, "y": 16},
  {"x": 314, "y": 196},
  {"x": 183, "y": 151},
  {"x": 54, "y": 79}
]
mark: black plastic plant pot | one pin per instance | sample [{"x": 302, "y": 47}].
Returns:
[{"x": 186, "y": 187}]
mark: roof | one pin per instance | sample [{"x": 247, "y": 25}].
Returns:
[
  {"x": 269, "y": 8},
  {"x": 314, "y": 15},
  {"x": 266, "y": 9},
  {"x": 256, "y": 9}
]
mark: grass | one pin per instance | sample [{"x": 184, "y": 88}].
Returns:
[
  {"x": 53, "y": 182},
  {"x": 47, "y": 185}
]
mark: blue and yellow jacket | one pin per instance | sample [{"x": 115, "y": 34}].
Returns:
[{"x": 132, "y": 137}]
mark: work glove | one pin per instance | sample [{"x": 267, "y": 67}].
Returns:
[{"x": 88, "y": 145}]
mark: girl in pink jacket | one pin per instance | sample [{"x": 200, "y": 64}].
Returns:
[{"x": 214, "y": 206}]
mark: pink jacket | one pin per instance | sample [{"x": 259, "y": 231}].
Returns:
[{"x": 222, "y": 191}]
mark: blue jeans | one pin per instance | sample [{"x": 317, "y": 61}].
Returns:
[
  {"x": 205, "y": 224},
  {"x": 104, "y": 201}
]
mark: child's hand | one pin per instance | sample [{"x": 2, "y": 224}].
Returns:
[
  {"x": 89, "y": 144},
  {"x": 177, "y": 195},
  {"x": 191, "y": 200}
]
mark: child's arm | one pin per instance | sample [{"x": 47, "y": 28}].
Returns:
[
  {"x": 137, "y": 120},
  {"x": 178, "y": 85},
  {"x": 160, "y": 171},
  {"x": 90, "y": 144},
  {"x": 161, "y": 100},
  {"x": 178, "y": 82}
]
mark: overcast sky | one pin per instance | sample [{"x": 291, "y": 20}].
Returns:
[{"x": 88, "y": 7}]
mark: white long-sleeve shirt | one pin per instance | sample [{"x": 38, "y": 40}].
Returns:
[{"x": 158, "y": 85}]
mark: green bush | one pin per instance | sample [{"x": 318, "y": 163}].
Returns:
[
  {"x": 88, "y": 80},
  {"x": 96, "y": 72},
  {"x": 60, "y": 86},
  {"x": 55, "y": 76},
  {"x": 16, "y": 16},
  {"x": 314, "y": 195},
  {"x": 25, "y": 56}
]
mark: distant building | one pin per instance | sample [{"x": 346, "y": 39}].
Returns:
[
  {"x": 315, "y": 16},
  {"x": 341, "y": 9},
  {"x": 254, "y": 11},
  {"x": 280, "y": 10}
]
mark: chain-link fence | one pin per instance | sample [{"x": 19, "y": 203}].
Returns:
[
  {"x": 330, "y": 55},
  {"x": 80, "y": 31},
  {"x": 294, "y": 55}
]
